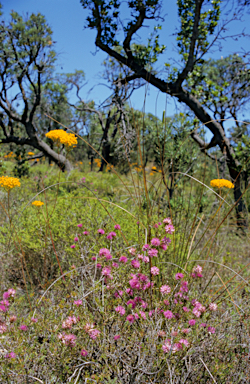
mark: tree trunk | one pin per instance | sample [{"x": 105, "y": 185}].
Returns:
[{"x": 241, "y": 210}]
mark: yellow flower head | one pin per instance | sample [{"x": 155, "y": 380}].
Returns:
[
  {"x": 8, "y": 182},
  {"x": 60, "y": 136},
  {"x": 31, "y": 153},
  {"x": 37, "y": 203},
  {"x": 220, "y": 183}
]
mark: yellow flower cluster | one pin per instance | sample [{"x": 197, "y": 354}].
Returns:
[
  {"x": 98, "y": 162},
  {"x": 31, "y": 153},
  {"x": 8, "y": 182},
  {"x": 62, "y": 137},
  {"x": 220, "y": 183},
  {"x": 37, "y": 203},
  {"x": 9, "y": 155}
]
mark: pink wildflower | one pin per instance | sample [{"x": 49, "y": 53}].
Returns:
[
  {"x": 23, "y": 327},
  {"x": 106, "y": 271},
  {"x": 156, "y": 225},
  {"x": 117, "y": 337},
  {"x": 166, "y": 346},
  {"x": 135, "y": 263},
  {"x": 152, "y": 252},
  {"x": 184, "y": 342},
  {"x": 79, "y": 225},
  {"x": 211, "y": 329},
  {"x": 111, "y": 235},
  {"x": 185, "y": 309},
  {"x": 76, "y": 239},
  {"x": 12, "y": 318},
  {"x": 165, "y": 289},
  {"x": 179, "y": 276},
  {"x": 104, "y": 252},
  {"x": 11, "y": 292},
  {"x": 34, "y": 320},
  {"x": 196, "y": 312},
  {"x": 3, "y": 328},
  {"x": 123, "y": 259},
  {"x": 132, "y": 251},
  {"x": 168, "y": 314},
  {"x": 169, "y": 229},
  {"x": 117, "y": 226},
  {"x": 186, "y": 330},
  {"x": 167, "y": 220},
  {"x": 145, "y": 247},
  {"x": 3, "y": 308},
  {"x": 94, "y": 333},
  {"x": 101, "y": 231},
  {"x": 72, "y": 246},
  {"x": 130, "y": 319},
  {"x": 155, "y": 271},
  {"x": 86, "y": 233},
  {"x": 84, "y": 352},
  {"x": 192, "y": 322},
  {"x": 161, "y": 333},
  {"x": 121, "y": 310},
  {"x": 98, "y": 265},
  {"x": 213, "y": 306},
  {"x": 203, "y": 325},
  {"x": 143, "y": 315},
  {"x": 155, "y": 242},
  {"x": 10, "y": 355},
  {"x": 69, "y": 340},
  {"x": 164, "y": 247}
]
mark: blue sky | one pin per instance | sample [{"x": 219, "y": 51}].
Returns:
[{"x": 76, "y": 48}]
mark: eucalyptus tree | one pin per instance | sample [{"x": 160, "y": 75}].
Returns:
[
  {"x": 27, "y": 61},
  {"x": 199, "y": 30}
]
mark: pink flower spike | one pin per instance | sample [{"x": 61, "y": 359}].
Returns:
[
  {"x": 72, "y": 246},
  {"x": 76, "y": 239},
  {"x": 101, "y": 231},
  {"x": 179, "y": 276},
  {"x": 84, "y": 352},
  {"x": 79, "y": 225},
  {"x": 117, "y": 226},
  {"x": 34, "y": 320},
  {"x": 117, "y": 337},
  {"x": 155, "y": 271}
]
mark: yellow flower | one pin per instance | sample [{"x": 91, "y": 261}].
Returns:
[
  {"x": 31, "y": 153},
  {"x": 220, "y": 183},
  {"x": 37, "y": 203},
  {"x": 8, "y": 182},
  {"x": 11, "y": 154},
  {"x": 62, "y": 137}
]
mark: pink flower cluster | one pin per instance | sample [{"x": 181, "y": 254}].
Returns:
[
  {"x": 92, "y": 331},
  {"x": 71, "y": 320},
  {"x": 69, "y": 340}
]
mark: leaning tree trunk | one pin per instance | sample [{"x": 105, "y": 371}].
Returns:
[{"x": 241, "y": 210}]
